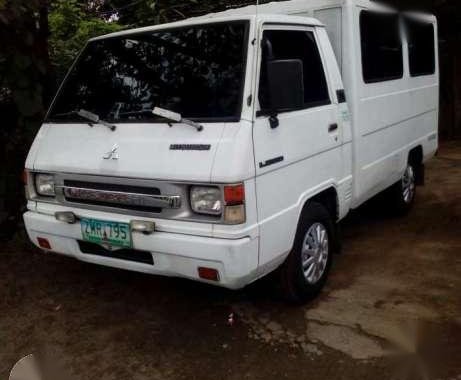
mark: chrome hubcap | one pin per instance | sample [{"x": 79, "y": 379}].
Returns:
[
  {"x": 408, "y": 185},
  {"x": 315, "y": 253}
]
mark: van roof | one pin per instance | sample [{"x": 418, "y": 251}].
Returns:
[
  {"x": 269, "y": 12},
  {"x": 212, "y": 20},
  {"x": 304, "y": 6}
]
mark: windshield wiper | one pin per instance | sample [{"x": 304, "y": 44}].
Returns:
[
  {"x": 173, "y": 116},
  {"x": 90, "y": 116}
]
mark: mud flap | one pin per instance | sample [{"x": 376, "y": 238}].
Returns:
[
  {"x": 337, "y": 244},
  {"x": 420, "y": 175}
]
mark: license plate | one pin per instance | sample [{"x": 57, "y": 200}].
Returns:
[{"x": 109, "y": 233}]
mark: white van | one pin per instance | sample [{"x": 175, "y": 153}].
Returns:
[{"x": 222, "y": 148}]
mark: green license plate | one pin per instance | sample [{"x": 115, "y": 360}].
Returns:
[{"x": 110, "y": 233}]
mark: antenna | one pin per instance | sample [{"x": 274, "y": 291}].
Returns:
[{"x": 257, "y": 7}]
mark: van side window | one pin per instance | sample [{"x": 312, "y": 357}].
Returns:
[
  {"x": 382, "y": 56},
  {"x": 421, "y": 46},
  {"x": 301, "y": 45}
]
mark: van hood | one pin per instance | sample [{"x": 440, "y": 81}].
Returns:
[{"x": 148, "y": 151}]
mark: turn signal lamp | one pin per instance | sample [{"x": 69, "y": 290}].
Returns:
[{"x": 234, "y": 199}]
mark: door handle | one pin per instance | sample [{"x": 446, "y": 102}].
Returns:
[{"x": 333, "y": 128}]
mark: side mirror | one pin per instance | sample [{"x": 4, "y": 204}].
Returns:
[{"x": 286, "y": 84}]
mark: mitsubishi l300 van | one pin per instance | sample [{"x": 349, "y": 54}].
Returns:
[{"x": 223, "y": 148}]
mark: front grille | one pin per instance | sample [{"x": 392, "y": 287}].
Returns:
[
  {"x": 124, "y": 197},
  {"x": 133, "y": 255},
  {"x": 112, "y": 187}
]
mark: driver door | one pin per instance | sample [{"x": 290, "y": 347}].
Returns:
[{"x": 301, "y": 154}]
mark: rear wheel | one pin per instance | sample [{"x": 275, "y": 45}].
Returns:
[
  {"x": 403, "y": 193},
  {"x": 306, "y": 269}
]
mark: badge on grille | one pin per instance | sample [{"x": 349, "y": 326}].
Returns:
[{"x": 113, "y": 154}]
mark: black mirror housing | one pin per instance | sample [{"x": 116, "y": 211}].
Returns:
[{"x": 286, "y": 84}]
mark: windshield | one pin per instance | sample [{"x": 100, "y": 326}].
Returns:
[{"x": 196, "y": 71}]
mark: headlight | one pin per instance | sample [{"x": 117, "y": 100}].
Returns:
[
  {"x": 44, "y": 185},
  {"x": 206, "y": 200}
]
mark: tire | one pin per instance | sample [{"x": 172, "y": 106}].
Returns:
[
  {"x": 403, "y": 194},
  {"x": 304, "y": 273}
]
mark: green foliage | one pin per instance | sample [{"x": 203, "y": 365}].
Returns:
[
  {"x": 23, "y": 61},
  {"x": 70, "y": 28},
  {"x": 24, "y": 74}
]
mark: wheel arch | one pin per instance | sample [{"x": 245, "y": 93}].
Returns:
[
  {"x": 328, "y": 198},
  {"x": 416, "y": 158},
  {"x": 416, "y": 155}
]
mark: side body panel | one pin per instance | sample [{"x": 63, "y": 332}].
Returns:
[{"x": 390, "y": 118}]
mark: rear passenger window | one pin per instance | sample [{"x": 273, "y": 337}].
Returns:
[
  {"x": 382, "y": 57},
  {"x": 301, "y": 45},
  {"x": 421, "y": 47}
]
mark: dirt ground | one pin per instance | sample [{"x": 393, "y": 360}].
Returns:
[{"x": 395, "y": 288}]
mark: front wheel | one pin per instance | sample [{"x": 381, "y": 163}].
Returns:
[{"x": 306, "y": 269}]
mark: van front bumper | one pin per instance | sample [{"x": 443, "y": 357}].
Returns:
[{"x": 174, "y": 255}]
